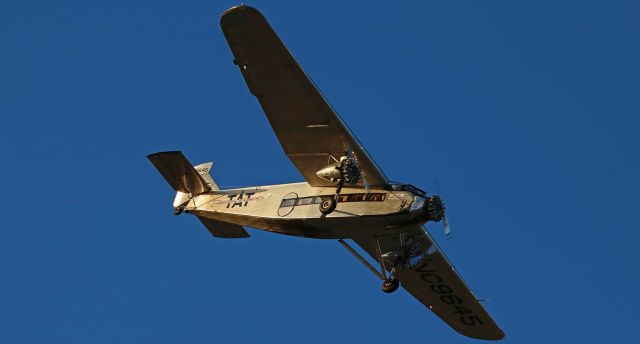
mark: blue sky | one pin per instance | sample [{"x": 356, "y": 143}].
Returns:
[{"x": 527, "y": 112}]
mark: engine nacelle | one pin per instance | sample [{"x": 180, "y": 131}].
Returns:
[
  {"x": 330, "y": 173},
  {"x": 434, "y": 208},
  {"x": 346, "y": 169}
]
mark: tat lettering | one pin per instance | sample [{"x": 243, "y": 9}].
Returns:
[{"x": 239, "y": 200}]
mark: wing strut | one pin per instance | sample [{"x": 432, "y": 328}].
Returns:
[
  {"x": 389, "y": 284},
  {"x": 361, "y": 259},
  {"x": 382, "y": 269}
]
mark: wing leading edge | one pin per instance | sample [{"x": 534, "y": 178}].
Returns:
[
  {"x": 308, "y": 129},
  {"x": 438, "y": 286}
]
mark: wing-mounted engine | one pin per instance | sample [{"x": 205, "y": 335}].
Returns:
[
  {"x": 410, "y": 256},
  {"x": 344, "y": 170}
]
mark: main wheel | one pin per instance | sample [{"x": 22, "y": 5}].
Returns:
[
  {"x": 390, "y": 285},
  {"x": 328, "y": 205}
]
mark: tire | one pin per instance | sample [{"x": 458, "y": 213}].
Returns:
[
  {"x": 328, "y": 205},
  {"x": 390, "y": 285}
]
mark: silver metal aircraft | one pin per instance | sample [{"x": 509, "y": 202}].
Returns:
[{"x": 345, "y": 195}]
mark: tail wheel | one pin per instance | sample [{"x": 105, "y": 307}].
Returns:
[
  {"x": 390, "y": 285},
  {"x": 328, "y": 205}
]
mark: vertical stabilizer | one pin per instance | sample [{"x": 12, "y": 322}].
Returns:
[{"x": 205, "y": 172}]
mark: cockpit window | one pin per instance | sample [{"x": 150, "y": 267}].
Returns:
[
  {"x": 405, "y": 187},
  {"x": 393, "y": 187},
  {"x": 414, "y": 190}
]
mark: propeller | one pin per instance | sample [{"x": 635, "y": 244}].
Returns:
[
  {"x": 445, "y": 219},
  {"x": 353, "y": 171},
  {"x": 361, "y": 175},
  {"x": 447, "y": 228}
]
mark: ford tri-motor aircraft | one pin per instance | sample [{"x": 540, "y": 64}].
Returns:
[{"x": 345, "y": 195}]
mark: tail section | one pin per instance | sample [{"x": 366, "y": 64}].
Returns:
[{"x": 190, "y": 181}]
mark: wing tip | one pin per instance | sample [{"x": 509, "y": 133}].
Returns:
[
  {"x": 496, "y": 334},
  {"x": 238, "y": 10},
  {"x": 499, "y": 335},
  {"x": 152, "y": 155}
]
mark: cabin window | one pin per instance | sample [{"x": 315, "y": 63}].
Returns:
[
  {"x": 305, "y": 201},
  {"x": 288, "y": 202}
]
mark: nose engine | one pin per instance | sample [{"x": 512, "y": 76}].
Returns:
[{"x": 434, "y": 208}]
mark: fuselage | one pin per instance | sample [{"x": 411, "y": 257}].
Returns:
[{"x": 293, "y": 209}]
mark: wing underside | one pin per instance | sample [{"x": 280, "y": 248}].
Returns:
[
  {"x": 307, "y": 127},
  {"x": 310, "y": 132},
  {"x": 438, "y": 286}
]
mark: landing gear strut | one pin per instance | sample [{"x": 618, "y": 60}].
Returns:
[
  {"x": 410, "y": 255},
  {"x": 328, "y": 205},
  {"x": 344, "y": 170},
  {"x": 390, "y": 283}
]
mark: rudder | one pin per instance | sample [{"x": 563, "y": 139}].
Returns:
[{"x": 205, "y": 172}]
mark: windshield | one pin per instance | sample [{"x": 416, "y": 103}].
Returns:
[{"x": 406, "y": 187}]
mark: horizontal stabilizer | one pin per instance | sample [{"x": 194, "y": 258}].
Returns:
[
  {"x": 179, "y": 172},
  {"x": 223, "y": 229}
]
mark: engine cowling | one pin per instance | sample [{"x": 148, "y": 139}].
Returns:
[
  {"x": 330, "y": 173},
  {"x": 346, "y": 169},
  {"x": 434, "y": 208}
]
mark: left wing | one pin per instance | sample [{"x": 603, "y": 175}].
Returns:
[
  {"x": 307, "y": 127},
  {"x": 438, "y": 286}
]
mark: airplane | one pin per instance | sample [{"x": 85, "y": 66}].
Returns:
[{"x": 345, "y": 195}]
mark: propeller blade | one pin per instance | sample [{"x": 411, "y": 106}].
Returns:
[
  {"x": 363, "y": 176},
  {"x": 365, "y": 183},
  {"x": 445, "y": 222},
  {"x": 447, "y": 228}
]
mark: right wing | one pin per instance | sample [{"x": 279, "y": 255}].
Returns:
[
  {"x": 307, "y": 127},
  {"x": 439, "y": 287}
]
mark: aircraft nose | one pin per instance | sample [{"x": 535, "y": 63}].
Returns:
[{"x": 434, "y": 208}]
